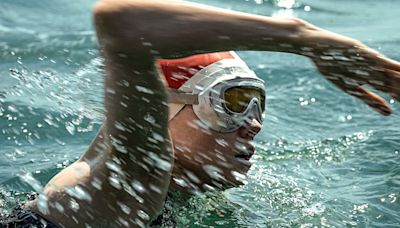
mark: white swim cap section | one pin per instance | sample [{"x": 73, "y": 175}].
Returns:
[{"x": 219, "y": 72}]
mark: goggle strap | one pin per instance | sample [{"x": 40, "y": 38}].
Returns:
[{"x": 178, "y": 97}]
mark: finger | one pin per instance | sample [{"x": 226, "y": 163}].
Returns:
[
  {"x": 394, "y": 83},
  {"x": 388, "y": 83},
  {"x": 352, "y": 86},
  {"x": 371, "y": 99}
]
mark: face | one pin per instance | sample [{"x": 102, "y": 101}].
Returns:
[{"x": 206, "y": 159}]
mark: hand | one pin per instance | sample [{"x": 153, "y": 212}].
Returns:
[{"x": 349, "y": 65}]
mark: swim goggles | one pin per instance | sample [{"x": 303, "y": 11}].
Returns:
[{"x": 224, "y": 95}]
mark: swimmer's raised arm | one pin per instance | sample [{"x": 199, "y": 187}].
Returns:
[{"x": 158, "y": 28}]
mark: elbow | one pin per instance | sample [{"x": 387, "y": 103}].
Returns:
[
  {"x": 115, "y": 25},
  {"x": 123, "y": 25},
  {"x": 103, "y": 10},
  {"x": 103, "y": 16},
  {"x": 108, "y": 7},
  {"x": 107, "y": 15}
]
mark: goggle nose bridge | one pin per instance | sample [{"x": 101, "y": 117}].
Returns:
[{"x": 253, "y": 107}]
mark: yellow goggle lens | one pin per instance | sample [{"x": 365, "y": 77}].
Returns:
[{"x": 238, "y": 98}]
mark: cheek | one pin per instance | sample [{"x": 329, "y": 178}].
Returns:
[
  {"x": 194, "y": 153},
  {"x": 204, "y": 148},
  {"x": 215, "y": 166},
  {"x": 208, "y": 154}
]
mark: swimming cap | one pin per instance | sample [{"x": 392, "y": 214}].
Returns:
[{"x": 177, "y": 72}]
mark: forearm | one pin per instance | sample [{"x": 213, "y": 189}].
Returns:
[
  {"x": 177, "y": 28},
  {"x": 136, "y": 114}
]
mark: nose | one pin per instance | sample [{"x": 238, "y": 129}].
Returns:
[{"x": 250, "y": 129}]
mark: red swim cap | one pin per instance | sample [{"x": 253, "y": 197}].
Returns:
[{"x": 177, "y": 71}]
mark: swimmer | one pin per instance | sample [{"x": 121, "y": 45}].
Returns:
[{"x": 179, "y": 103}]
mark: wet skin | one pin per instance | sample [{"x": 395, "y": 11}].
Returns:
[{"x": 206, "y": 159}]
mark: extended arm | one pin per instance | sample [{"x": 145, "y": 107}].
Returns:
[{"x": 157, "y": 28}]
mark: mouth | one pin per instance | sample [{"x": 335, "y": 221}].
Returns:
[
  {"x": 244, "y": 156},
  {"x": 245, "y": 151}
]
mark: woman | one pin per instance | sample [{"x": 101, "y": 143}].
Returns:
[{"x": 124, "y": 176}]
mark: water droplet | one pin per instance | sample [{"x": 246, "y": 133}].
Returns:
[
  {"x": 59, "y": 207},
  {"x": 124, "y": 208},
  {"x": 96, "y": 183},
  {"x": 392, "y": 198},
  {"x": 180, "y": 182},
  {"x": 149, "y": 118},
  {"x": 119, "y": 126},
  {"x": 222, "y": 142},
  {"x": 118, "y": 145},
  {"x": 79, "y": 193},
  {"x": 114, "y": 167},
  {"x": 239, "y": 176},
  {"x": 158, "y": 137},
  {"x": 143, "y": 215},
  {"x": 287, "y": 4},
  {"x": 70, "y": 128},
  {"x": 110, "y": 91},
  {"x": 29, "y": 179},
  {"x": 192, "y": 176},
  {"x": 138, "y": 186},
  {"x": 114, "y": 182},
  {"x": 42, "y": 204},
  {"x": 214, "y": 172},
  {"x": 224, "y": 37},
  {"x": 73, "y": 205},
  {"x": 147, "y": 44},
  {"x": 304, "y": 103},
  {"x": 139, "y": 223},
  {"x": 144, "y": 90},
  {"x": 208, "y": 187}
]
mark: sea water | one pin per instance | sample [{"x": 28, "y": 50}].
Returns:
[{"x": 323, "y": 158}]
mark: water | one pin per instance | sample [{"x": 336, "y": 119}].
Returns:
[{"x": 323, "y": 158}]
